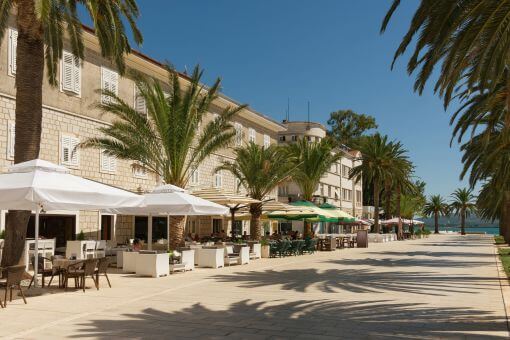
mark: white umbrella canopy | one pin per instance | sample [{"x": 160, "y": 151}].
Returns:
[
  {"x": 39, "y": 184},
  {"x": 171, "y": 200}
]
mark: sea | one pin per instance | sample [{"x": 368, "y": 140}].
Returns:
[{"x": 486, "y": 230}]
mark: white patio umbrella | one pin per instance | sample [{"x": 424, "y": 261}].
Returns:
[
  {"x": 37, "y": 184},
  {"x": 171, "y": 200}
]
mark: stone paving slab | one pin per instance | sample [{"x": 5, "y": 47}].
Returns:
[{"x": 445, "y": 286}]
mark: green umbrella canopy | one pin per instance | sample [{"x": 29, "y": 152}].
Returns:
[{"x": 340, "y": 214}]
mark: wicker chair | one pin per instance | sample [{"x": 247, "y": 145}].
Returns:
[
  {"x": 80, "y": 272},
  {"x": 102, "y": 269},
  {"x": 44, "y": 272},
  {"x": 14, "y": 276}
]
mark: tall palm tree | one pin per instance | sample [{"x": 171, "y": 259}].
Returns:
[
  {"x": 463, "y": 204},
  {"x": 169, "y": 140},
  {"x": 376, "y": 165},
  {"x": 466, "y": 38},
  {"x": 313, "y": 160},
  {"x": 41, "y": 27},
  {"x": 260, "y": 170},
  {"x": 436, "y": 206}
]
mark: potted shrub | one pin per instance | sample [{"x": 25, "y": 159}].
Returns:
[
  {"x": 80, "y": 236},
  {"x": 264, "y": 245}
]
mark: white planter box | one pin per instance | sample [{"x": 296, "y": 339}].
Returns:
[
  {"x": 212, "y": 258},
  {"x": 256, "y": 252},
  {"x": 244, "y": 255},
  {"x": 129, "y": 261},
  {"x": 264, "y": 252},
  {"x": 188, "y": 259},
  {"x": 154, "y": 265}
]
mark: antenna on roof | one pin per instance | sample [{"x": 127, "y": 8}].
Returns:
[
  {"x": 185, "y": 69},
  {"x": 308, "y": 112}
]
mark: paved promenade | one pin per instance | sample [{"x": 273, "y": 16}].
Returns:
[{"x": 441, "y": 287}]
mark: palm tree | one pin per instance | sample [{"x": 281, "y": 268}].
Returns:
[
  {"x": 377, "y": 160},
  {"x": 260, "y": 170},
  {"x": 436, "y": 206},
  {"x": 169, "y": 140},
  {"x": 465, "y": 38},
  {"x": 41, "y": 28},
  {"x": 313, "y": 160},
  {"x": 463, "y": 205}
]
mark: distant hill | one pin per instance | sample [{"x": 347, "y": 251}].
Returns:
[{"x": 454, "y": 221}]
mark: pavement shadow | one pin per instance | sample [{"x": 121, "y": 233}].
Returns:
[
  {"x": 324, "y": 319},
  {"x": 362, "y": 280},
  {"x": 409, "y": 262}
]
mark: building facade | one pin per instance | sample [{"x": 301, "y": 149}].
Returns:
[
  {"x": 335, "y": 186},
  {"x": 70, "y": 116}
]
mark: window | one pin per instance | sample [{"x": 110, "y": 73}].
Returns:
[
  {"x": 69, "y": 154},
  {"x": 218, "y": 179},
  {"x": 283, "y": 190},
  {"x": 139, "y": 171},
  {"x": 346, "y": 194},
  {"x": 252, "y": 135},
  {"x": 192, "y": 226},
  {"x": 140, "y": 104},
  {"x": 13, "y": 45},
  {"x": 11, "y": 137},
  {"x": 239, "y": 134},
  {"x": 336, "y": 195},
  {"x": 108, "y": 162},
  {"x": 267, "y": 141},
  {"x": 109, "y": 82},
  {"x": 195, "y": 177},
  {"x": 329, "y": 191},
  {"x": 293, "y": 138},
  {"x": 217, "y": 225},
  {"x": 309, "y": 138},
  {"x": 358, "y": 198},
  {"x": 345, "y": 171},
  {"x": 282, "y": 138},
  {"x": 322, "y": 189},
  {"x": 70, "y": 73}
]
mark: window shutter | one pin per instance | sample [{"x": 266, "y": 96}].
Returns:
[
  {"x": 65, "y": 144},
  {"x": 140, "y": 104},
  {"x": 67, "y": 72},
  {"x": 267, "y": 141},
  {"x": 110, "y": 81},
  {"x": 71, "y": 73},
  {"x": 11, "y": 140},
  {"x": 74, "y": 151},
  {"x": 13, "y": 45}
]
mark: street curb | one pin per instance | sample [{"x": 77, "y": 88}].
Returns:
[{"x": 504, "y": 283}]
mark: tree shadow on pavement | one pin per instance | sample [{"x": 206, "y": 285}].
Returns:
[
  {"x": 324, "y": 319},
  {"x": 409, "y": 262},
  {"x": 361, "y": 280}
]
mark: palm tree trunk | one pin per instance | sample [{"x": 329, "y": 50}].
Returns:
[
  {"x": 176, "y": 237},
  {"x": 506, "y": 217},
  {"x": 387, "y": 201},
  {"x": 400, "y": 231},
  {"x": 255, "y": 225},
  {"x": 463, "y": 222},
  {"x": 29, "y": 78},
  {"x": 436, "y": 222},
  {"x": 376, "y": 207}
]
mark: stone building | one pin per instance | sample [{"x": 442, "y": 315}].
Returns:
[
  {"x": 70, "y": 116},
  {"x": 335, "y": 186}
]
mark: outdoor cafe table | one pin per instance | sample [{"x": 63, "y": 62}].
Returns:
[{"x": 62, "y": 264}]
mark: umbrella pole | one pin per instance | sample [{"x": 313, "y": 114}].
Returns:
[
  {"x": 232, "y": 222},
  {"x": 149, "y": 233},
  {"x": 36, "y": 261},
  {"x": 168, "y": 232}
]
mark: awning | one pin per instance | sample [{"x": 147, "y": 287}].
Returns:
[{"x": 342, "y": 215}]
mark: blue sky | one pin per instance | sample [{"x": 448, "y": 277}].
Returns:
[{"x": 328, "y": 52}]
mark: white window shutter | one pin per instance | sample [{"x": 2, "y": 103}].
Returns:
[
  {"x": 75, "y": 160},
  {"x": 11, "y": 137},
  {"x": 140, "y": 104},
  {"x": 252, "y": 134},
  {"x": 267, "y": 141},
  {"x": 67, "y": 71},
  {"x": 13, "y": 45},
  {"x": 110, "y": 81},
  {"x": 65, "y": 152},
  {"x": 77, "y": 75}
]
